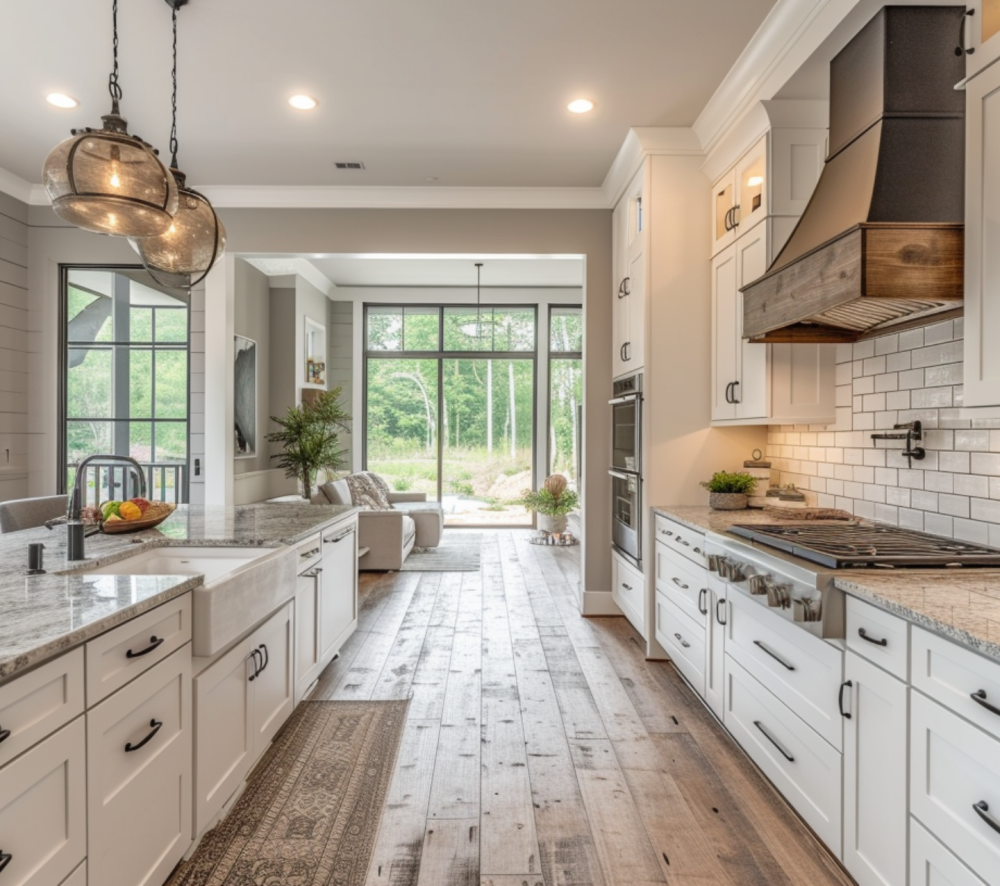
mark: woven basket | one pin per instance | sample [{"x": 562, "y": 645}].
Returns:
[{"x": 727, "y": 501}]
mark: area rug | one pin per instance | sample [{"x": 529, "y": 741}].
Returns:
[
  {"x": 458, "y": 552},
  {"x": 310, "y": 812}
]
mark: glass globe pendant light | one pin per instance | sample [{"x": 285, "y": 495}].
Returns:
[
  {"x": 108, "y": 181},
  {"x": 183, "y": 255}
]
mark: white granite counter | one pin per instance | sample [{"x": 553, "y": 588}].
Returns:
[
  {"x": 962, "y": 605},
  {"x": 44, "y": 615}
]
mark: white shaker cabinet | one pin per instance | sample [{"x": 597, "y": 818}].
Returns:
[
  {"x": 273, "y": 684},
  {"x": 982, "y": 238},
  {"x": 307, "y": 651},
  {"x": 715, "y": 646},
  {"x": 981, "y": 35},
  {"x": 338, "y": 605},
  {"x": 629, "y": 238},
  {"x": 874, "y": 705}
]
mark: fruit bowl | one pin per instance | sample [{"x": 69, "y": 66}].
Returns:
[{"x": 154, "y": 515}]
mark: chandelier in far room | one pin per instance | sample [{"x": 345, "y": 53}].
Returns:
[
  {"x": 183, "y": 255},
  {"x": 108, "y": 181}
]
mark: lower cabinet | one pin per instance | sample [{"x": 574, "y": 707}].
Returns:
[
  {"x": 715, "y": 647},
  {"x": 933, "y": 865},
  {"x": 43, "y": 810},
  {"x": 139, "y": 777},
  {"x": 338, "y": 605},
  {"x": 684, "y": 639},
  {"x": 241, "y": 700},
  {"x": 874, "y": 706},
  {"x": 308, "y": 664},
  {"x": 628, "y": 590}
]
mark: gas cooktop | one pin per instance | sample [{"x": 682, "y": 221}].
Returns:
[{"x": 861, "y": 545}]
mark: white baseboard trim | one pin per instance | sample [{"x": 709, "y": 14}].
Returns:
[{"x": 599, "y": 603}]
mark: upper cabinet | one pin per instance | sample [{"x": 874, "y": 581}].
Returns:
[
  {"x": 981, "y": 34},
  {"x": 629, "y": 240},
  {"x": 982, "y": 239},
  {"x": 755, "y": 207}
]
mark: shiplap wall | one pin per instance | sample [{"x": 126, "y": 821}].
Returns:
[
  {"x": 13, "y": 348},
  {"x": 916, "y": 374},
  {"x": 340, "y": 361}
]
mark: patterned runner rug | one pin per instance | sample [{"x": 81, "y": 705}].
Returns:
[
  {"x": 458, "y": 552},
  {"x": 310, "y": 813}
]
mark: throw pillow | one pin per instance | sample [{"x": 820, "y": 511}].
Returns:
[
  {"x": 380, "y": 483},
  {"x": 365, "y": 494}
]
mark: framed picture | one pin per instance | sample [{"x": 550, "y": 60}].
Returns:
[
  {"x": 315, "y": 351},
  {"x": 245, "y": 397}
]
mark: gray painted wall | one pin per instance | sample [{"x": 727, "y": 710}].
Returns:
[{"x": 14, "y": 347}]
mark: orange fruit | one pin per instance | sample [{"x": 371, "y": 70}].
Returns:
[{"x": 129, "y": 511}]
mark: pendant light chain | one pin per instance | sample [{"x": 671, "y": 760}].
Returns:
[
  {"x": 113, "y": 87},
  {"x": 173, "y": 98}
]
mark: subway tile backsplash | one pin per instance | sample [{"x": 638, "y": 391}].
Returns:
[{"x": 916, "y": 374}]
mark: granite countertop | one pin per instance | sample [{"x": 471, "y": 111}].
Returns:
[
  {"x": 44, "y": 615},
  {"x": 963, "y": 605}
]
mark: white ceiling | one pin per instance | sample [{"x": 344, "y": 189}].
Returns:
[
  {"x": 465, "y": 92},
  {"x": 432, "y": 270}
]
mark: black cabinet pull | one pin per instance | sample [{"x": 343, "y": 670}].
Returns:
[
  {"x": 734, "y": 210},
  {"x": 983, "y": 811},
  {"x": 621, "y": 353},
  {"x": 735, "y": 401},
  {"x": 683, "y": 642},
  {"x": 339, "y": 538},
  {"x": 154, "y": 642},
  {"x": 155, "y": 727},
  {"x": 681, "y": 541},
  {"x": 679, "y": 583},
  {"x": 627, "y": 283},
  {"x": 978, "y": 697},
  {"x": 627, "y": 587},
  {"x": 718, "y": 617},
  {"x": 725, "y": 221},
  {"x": 773, "y": 741},
  {"x": 840, "y": 698},
  {"x": 666, "y": 532},
  {"x": 5, "y": 858},
  {"x": 265, "y": 657},
  {"x": 728, "y": 388},
  {"x": 774, "y": 655},
  {"x": 628, "y": 351},
  {"x": 4, "y": 735},
  {"x": 872, "y": 640},
  {"x": 256, "y": 670},
  {"x": 960, "y": 49},
  {"x": 703, "y": 595},
  {"x": 621, "y": 289}
]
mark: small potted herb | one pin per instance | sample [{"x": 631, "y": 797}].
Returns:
[
  {"x": 552, "y": 503},
  {"x": 729, "y": 492}
]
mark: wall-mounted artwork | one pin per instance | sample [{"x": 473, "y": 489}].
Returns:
[
  {"x": 315, "y": 350},
  {"x": 245, "y": 397}
]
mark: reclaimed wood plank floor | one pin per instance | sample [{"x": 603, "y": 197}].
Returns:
[{"x": 542, "y": 749}]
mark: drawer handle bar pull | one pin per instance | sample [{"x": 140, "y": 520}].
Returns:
[
  {"x": 666, "y": 532},
  {"x": 154, "y": 643},
  {"x": 5, "y": 859},
  {"x": 983, "y": 811},
  {"x": 978, "y": 697},
  {"x": 864, "y": 636},
  {"x": 309, "y": 554},
  {"x": 256, "y": 670},
  {"x": 774, "y": 741},
  {"x": 265, "y": 656},
  {"x": 339, "y": 538},
  {"x": 686, "y": 544},
  {"x": 774, "y": 655},
  {"x": 840, "y": 698},
  {"x": 683, "y": 642},
  {"x": 703, "y": 595},
  {"x": 718, "y": 617},
  {"x": 627, "y": 587},
  {"x": 679, "y": 583},
  {"x": 155, "y": 727},
  {"x": 4, "y": 735}
]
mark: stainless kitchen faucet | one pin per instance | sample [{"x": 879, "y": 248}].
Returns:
[{"x": 74, "y": 510}]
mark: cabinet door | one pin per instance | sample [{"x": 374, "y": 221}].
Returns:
[
  {"x": 982, "y": 33},
  {"x": 307, "y": 650},
  {"x": 224, "y": 738},
  {"x": 933, "y": 865},
  {"x": 752, "y": 188},
  {"x": 752, "y": 393},
  {"x": 43, "y": 810},
  {"x": 875, "y": 773},
  {"x": 635, "y": 350},
  {"x": 139, "y": 777},
  {"x": 797, "y": 158},
  {"x": 620, "y": 328},
  {"x": 724, "y": 370},
  {"x": 723, "y": 209},
  {"x": 715, "y": 648},
  {"x": 982, "y": 239},
  {"x": 338, "y": 607},
  {"x": 273, "y": 691}
]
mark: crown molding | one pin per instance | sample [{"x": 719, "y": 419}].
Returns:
[
  {"x": 642, "y": 142},
  {"x": 16, "y": 187}
]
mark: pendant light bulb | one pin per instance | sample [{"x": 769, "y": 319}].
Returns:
[{"x": 109, "y": 181}]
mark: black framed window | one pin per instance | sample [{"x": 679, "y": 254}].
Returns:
[{"x": 566, "y": 392}]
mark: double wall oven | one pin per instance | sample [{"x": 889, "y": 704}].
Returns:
[{"x": 626, "y": 468}]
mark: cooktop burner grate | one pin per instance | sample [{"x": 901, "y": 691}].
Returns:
[{"x": 846, "y": 545}]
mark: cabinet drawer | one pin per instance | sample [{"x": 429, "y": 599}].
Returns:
[
  {"x": 960, "y": 679},
  {"x": 309, "y": 553},
  {"x": 40, "y": 702},
  {"x": 953, "y": 768},
  {"x": 629, "y": 592},
  {"x": 139, "y": 777},
  {"x": 43, "y": 810},
  {"x": 684, "y": 639},
  {"x": 803, "y": 670},
  {"x": 125, "y": 652},
  {"x": 682, "y": 582},
  {"x": 78, "y": 877},
  {"x": 879, "y": 636},
  {"x": 686, "y": 542},
  {"x": 806, "y": 769},
  {"x": 933, "y": 865}
]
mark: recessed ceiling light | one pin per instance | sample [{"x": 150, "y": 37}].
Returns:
[
  {"x": 61, "y": 101},
  {"x": 581, "y": 106},
  {"x": 303, "y": 102}
]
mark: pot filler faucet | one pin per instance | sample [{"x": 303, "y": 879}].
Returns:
[
  {"x": 910, "y": 432},
  {"x": 74, "y": 524}
]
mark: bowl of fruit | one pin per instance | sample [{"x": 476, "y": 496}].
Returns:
[{"x": 133, "y": 515}]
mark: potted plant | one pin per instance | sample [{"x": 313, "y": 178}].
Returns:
[
  {"x": 552, "y": 503},
  {"x": 310, "y": 437},
  {"x": 729, "y": 492}
]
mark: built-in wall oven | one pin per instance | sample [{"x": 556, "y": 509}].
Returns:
[{"x": 626, "y": 468}]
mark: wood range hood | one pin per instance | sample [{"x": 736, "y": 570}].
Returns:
[{"x": 880, "y": 244}]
